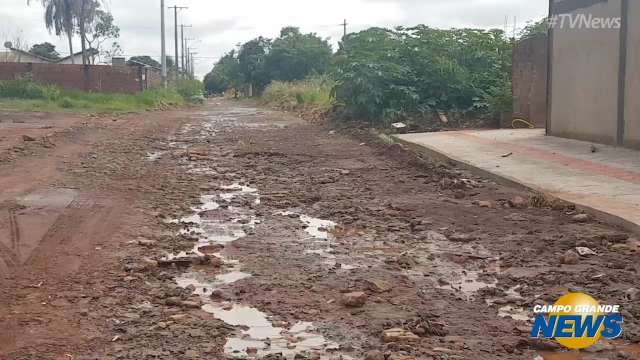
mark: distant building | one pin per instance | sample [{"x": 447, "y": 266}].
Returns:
[{"x": 21, "y": 56}]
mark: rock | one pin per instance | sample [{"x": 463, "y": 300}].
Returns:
[
  {"x": 191, "y": 354},
  {"x": 401, "y": 357},
  {"x": 435, "y": 236},
  {"x": 28, "y": 138},
  {"x": 585, "y": 251},
  {"x": 632, "y": 294},
  {"x": 485, "y": 204},
  {"x": 354, "y": 299},
  {"x": 581, "y": 218},
  {"x": 464, "y": 238},
  {"x": 379, "y": 286},
  {"x": 570, "y": 258},
  {"x": 515, "y": 217},
  {"x": 374, "y": 355},
  {"x": 173, "y": 301},
  {"x": 191, "y": 304},
  {"x": 307, "y": 355},
  {"x": 399, "y": 335},
  {"x": 518, "y": 202}
]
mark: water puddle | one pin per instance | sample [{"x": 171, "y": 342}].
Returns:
[
  {"x": 468, "y": 283},
  {"x": 317, "y": 228},
  {"x": 153, "y": 156},
  {"x": 214, "y": 227}
]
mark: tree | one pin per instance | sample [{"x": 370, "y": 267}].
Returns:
[
  {"x": 225, "y": 75},
  {"x": 100, "y": 30},
  {"x": 60, "y": 17},
  {"x": 45, "y": 50},
  {"x": 148, "y": 60},
  {"x": 144, "y": 59},
  {"x": 294, "y": 56},
  {"x": 251, "y": 63},
  {"x": 534, "y": 29}
]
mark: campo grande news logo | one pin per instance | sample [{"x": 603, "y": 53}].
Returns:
[{"x": 577, "y": 321}]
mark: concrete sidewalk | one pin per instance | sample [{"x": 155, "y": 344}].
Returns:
[{"x": 606, "y": 182}]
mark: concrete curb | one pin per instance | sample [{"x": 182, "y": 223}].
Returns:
[{"x": 512, "y": 182}]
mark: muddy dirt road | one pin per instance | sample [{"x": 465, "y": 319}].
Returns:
[{"x": 230, "y": 231}]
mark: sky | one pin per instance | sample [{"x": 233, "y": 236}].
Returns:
[{"x": 218, "y": 26}]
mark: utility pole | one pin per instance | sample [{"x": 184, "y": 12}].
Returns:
[
  {"x": 187, "y": 55},
  {"x": 163, "y": 42},
  {"x": 344, "y": 26},
  {"x": 182, "y": 42},
  {"x": 193, "y": 65},
  {"x": 177, "y": 48}
]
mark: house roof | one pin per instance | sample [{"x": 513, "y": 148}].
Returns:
[
  {"x": 26, "y": 53},
  {"x": 139, "y": 63},
  {"x": 79, "y": 53},
  {"x": 12, "y": 55}
]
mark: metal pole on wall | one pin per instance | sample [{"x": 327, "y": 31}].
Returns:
[{"x": 163, "y": 52}]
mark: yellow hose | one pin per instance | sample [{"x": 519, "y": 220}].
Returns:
[{"x": 523, "y": 121}]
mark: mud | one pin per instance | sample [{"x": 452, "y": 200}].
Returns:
[{"x": 267, "y": 222}]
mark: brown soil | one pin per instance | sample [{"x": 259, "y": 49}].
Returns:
[{"x": 436, "y": 250}]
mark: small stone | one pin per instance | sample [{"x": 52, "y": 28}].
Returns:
[
  {"x": 585, "y": 251},
  {"x": 379, "y": 286},
  {"x": 435, "y": 236},
  {"x": 581, "y": 218},
  {"x": 399, "y": 335},
  {"x": 485, "y": 204},
  {"x": 464, "y": 238},
  {"x": 191, "y": 304},
  {"x": 374, "y": 355},
  {"x": 632, "y": 294},
  {"x": 173, "y": 301},
  {"x": 518, "y": 202},
  {"x": 28, "y": 138},
  {"x": 354, "y": 299},
  {"x": 570, "y": 258},
  {"x": 191, "y": 354},
  {"x": 515, "y": 217}
]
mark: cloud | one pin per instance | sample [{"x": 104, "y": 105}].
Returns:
[{"x": 220, "y": 25}]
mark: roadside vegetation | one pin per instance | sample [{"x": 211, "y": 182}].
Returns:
[
  {"x": 378, "y": 75},
  {"x": 315, "y": 92},
  {"x": 25, "y": 95}
]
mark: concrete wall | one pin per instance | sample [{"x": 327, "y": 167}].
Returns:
[
  {"x": 584, "y": 78},
  {"x": 632, "y": 96},
  {"x": 100, "y": 78},
  {"x": 530, "y": 80}
]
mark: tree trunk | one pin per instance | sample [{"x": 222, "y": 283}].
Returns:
[
  {"x": 70, "y": 36},
  {"x": 81, "y": 24}
]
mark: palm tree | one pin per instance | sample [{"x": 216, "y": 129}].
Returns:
[{"x": 59, "y": 16}]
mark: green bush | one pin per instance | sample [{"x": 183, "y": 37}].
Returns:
[
  {"x": 314, "y": 91},
  {"x": 27, "y": 89},
  {"x": 49, "y": 97},
  {"x": 385, "y": 75},
  {"x": 190, "y": 88},
  {"x": 66, "y": 103}
]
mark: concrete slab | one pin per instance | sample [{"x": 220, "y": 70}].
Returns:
[{"x": 606, "y": 182}]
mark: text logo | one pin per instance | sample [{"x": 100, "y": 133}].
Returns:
[{"x": 577, "y": 321}]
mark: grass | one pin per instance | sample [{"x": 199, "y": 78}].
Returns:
[
  {"x": 25, "y": 95},
  {"x": 313, "y": 92}
]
